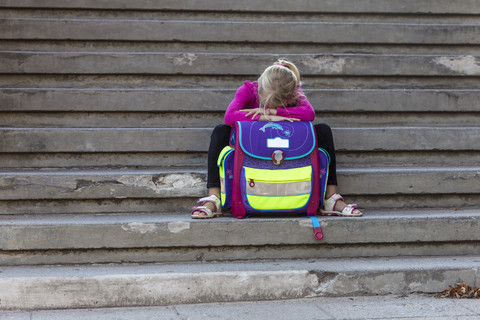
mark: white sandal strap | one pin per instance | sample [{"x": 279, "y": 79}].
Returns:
[
  {"x": 207, "y": 211},
  {"x": 349, "y": 208},
  {"x": 335, "y": 197},
  {"x": 213, "y": 199},
  {"x": 331, "y": 201}
]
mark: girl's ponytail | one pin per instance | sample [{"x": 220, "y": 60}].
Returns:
[{"x": 287, "y": 64}]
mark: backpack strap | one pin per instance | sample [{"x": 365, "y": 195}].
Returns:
[
  {"x": 223, "y": 154},
  {"x": 317, "y": 230}
]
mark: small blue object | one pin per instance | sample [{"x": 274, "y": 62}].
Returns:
[{"x": 317, "y": 230}]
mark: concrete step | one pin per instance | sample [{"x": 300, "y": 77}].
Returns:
[
  {"x": 117, "y": 107},
  {"x": 36, "y": 288},
  {"x": 238, "y": 31},
  {"x": 39, "y": 140},
  {"x": 146, "y": 238},
  {"x": 423, "y": 186},
  {"x": 17, "y": 162},
  {"x": 465, "y": 7},
  {"x": 134, "y": 81},
  {"x": 216, "y": 100},
  {"x": 211, "y": 119},
  {"x": 234, "y": 47},
  {"x": 180, "y": 206},
  {"x": 232, "y": 64}
]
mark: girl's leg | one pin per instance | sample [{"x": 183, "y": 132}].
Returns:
[
  {"x": 218, "y": 140},
  {"x": 325, "y": 141}
]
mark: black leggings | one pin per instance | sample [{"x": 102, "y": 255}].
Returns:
[{"x": 220, "y": 138}]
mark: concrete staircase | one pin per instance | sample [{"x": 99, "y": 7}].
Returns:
[{"x": 106, "y": 111}]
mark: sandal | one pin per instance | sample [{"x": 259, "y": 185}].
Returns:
[
  {"x": 202, "y": 212},
  {"x": 329, "y": 207}
]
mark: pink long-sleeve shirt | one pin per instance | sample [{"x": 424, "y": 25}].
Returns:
[{"x": 247, "y": 98}]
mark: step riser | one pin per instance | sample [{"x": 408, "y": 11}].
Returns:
[
  {"x": 130, "y": 290},
  {"x": 232, "y": 64},
  {"x": 150, "y": 290},
  {"x": 195, "y": 160},
  {"x": 56, "y": 140},
  {"x": 114, "y": 232},
  {"x": 311, "y": 6},
  {"x": 161, "y": 206},
  {"x": 316, "y": 81},
  {"x": 258, "y": 16},
  {"x": 191, "y": 120},
  {"x": 233, "y": 253},
  {"x": 162, "y": 184},
  {"x": 235, "y": 47},
  {"x": 183, "y": 206}
]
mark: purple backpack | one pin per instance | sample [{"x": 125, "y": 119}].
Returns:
[{"x": 273, "y": 167}]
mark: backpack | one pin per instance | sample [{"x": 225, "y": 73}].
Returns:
[{"x": 273, "y": 167}]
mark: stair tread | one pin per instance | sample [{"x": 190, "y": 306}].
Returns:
[
  {"x": 108, "y": 219},
  {"x": 55, "y": 287},
  {"x": 241, "y": 31},
  {"x": 380, "y": 138},
  {"x": 132, "y": 231},
  {"x": 338, "y": 265},
  {"x": 235, "y": 64}
]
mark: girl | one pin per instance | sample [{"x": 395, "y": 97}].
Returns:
[{"x": 276, "y": 96}]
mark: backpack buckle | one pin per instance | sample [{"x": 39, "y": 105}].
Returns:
[{"x": 277, "y": 157}]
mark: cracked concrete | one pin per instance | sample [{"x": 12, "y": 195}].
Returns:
[
  {"x": 324, "y": 64},
  {"x": 467, "y": 65},
  {"x": 165, "y": 284},
  {"x": 185, "y": 58}
]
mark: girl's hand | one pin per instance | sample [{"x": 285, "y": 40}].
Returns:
[{"x": 253, "y": 112}]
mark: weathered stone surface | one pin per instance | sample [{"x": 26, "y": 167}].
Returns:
[
  {"x": 197, "y": 139},
  {"x": 179, "y": 100},
  {"x": 129, "y": 290},
  {"x": 119, "y": 184},
  {"x": 415, "y": 181},
  {"x": 150, "y": 231},
  {"x": 151, "y": 285},
  {"x": 311, "y": 6},
  {"x": 236, "y": 64},
  {"x": 104, "y": 139},
  {"x": 115, "y": 184},
  {"x": 239, "y": 31}
]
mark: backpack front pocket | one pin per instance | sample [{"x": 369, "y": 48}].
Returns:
[{"x": 277, "y": 190}]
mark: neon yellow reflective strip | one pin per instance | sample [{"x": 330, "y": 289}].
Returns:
[
  {"x": 293, "y": 188},
  {"x": 222, "y": 198},
  {"x": 222, "y": 154},
  {"x": 280, "y": 175},
  {"x": 278, "y": 203}
]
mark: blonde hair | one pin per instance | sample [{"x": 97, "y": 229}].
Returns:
[{"x": 278, "y": 85}]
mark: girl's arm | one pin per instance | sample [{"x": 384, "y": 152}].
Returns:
[
  {"x": 243, "y": 100},
  {"x": 303, "y": 110}
]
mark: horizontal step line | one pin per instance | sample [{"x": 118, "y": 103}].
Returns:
[
  {"x": 227, "y": 90},
  {"x": 238, "y": 54},
  {"x": 187, "y": 171},
  {"x": 110, "y": 219},
  {"x": 241, "y": 22}
]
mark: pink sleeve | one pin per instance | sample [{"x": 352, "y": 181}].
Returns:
[
  {"x": 244, "y": 99},
  {"x": 303, "y": 110}
]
